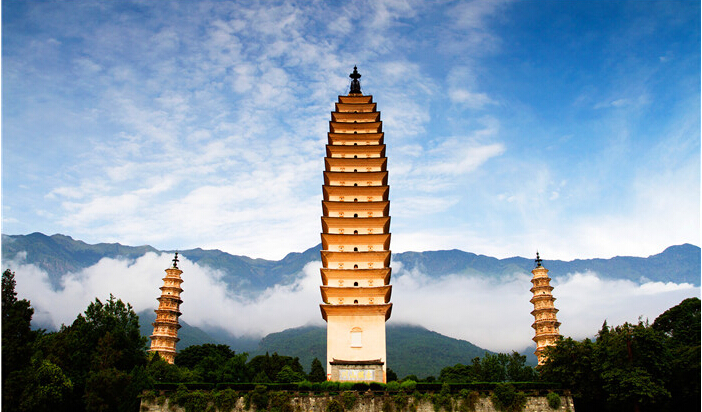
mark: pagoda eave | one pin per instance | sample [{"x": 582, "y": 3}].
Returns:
[
  {"x": 355, "y": 139},
  {"x": 382, "y": 258},
  {"x": 356, "y": 98},
  {"x": 544, "y": 336},
  {"x": 360, "y": 151},
  {"x": 355, "y": 107},
  {"x": 382, "y": 274},
  {"x": 546, "y": 297},
  {"x": 332, "y": 292},
  {"x": 329, "y": 310}
]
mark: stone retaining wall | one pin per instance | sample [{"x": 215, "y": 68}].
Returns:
[{"x": 369, "y": 402}]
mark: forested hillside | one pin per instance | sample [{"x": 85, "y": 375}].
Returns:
[
  {"x": 99, "y": 362},
  {"x": 411, "y": 350}
]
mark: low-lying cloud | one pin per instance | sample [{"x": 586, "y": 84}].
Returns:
[{"x": 491, "y": 313}]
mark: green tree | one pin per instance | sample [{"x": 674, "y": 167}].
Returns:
[
  {"x": 573, "y": 364},
  {"x": 17, "y": 340},
  {"x": 498, "y": 367},
  {"x": 287, "y": 375},
  {"x": 627, "y": 368},
  {"x": 214, "y": 363},
  {"x": 634, "y": 365},
  {"x": 106, "y": 391},
  {"x": 518, "y": 370},
  {"x": 234, "y": 369},
  {"x": 271, "y": 365},
  {"x": 192, "y": 355},
  {"x": 680, "y": 326},
  {"x": 47, "y": 388},
  {"x": 16, "y": 329},
  {"x": 317, "y": 373},
  {"x": 391, "y": 375},
  {"x": 105, "y": 337}
]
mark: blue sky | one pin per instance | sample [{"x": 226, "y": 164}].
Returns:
[{"x": 568, "y": 127}]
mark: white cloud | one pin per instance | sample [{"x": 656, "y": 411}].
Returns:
[
  {"x": 207, "y": 302},
  {"x": 495, "y": 314},
  {"x": 491, "y": 313},
  {"x": 470, "y": 99}
]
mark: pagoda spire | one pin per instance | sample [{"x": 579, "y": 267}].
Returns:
[
  {"x": 165, "y": 335},
  {"x": 545, "y": 322},
  {"x": 355, "y": 84}
]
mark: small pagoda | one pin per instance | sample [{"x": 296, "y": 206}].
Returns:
[
  {"x": 165, "y": 335},
  {"x": 545, "y": 322},
  {"x": 356, "y": 240}
]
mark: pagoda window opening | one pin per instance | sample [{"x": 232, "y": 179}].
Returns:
[
  {"x": 355, "y": 249},
  {"x": 355, "y": 156},
  {"x": 355, "y": 301},
  {"x": 355, "y": 266},
  {"x": 355, "y": 283},
  {"x": 356, "y": 334},
  {"x": 355, "y": 199},
  {"x": 355, "y": 144},
  {"x": 355, "y": 232},
  {"x": 355, "y": 215}
]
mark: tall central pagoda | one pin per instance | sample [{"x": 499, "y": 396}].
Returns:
[{"x": 356, "y": 240}]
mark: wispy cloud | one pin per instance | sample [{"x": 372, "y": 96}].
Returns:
[{"x": 180, "y": 124}]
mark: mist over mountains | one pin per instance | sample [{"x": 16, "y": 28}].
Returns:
[
  {"x": 474, "y": 298},
  {"x": 59, "y": 254}
]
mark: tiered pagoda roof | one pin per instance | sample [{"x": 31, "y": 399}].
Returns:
[
  {"x": 355, "y": 232},
  {"x": 165, "y": 334},
  {"x": 545, "y": 324}
]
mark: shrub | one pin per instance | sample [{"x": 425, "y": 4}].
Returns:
[
  {"x": 506, "y": 398},
  {"x": 334, "y": 406},
  {"x": 377, "y": 386},
  {"x": 401, "y": 401},
  {"x": 393, "y": 386},
  {"x": 225, "y": 400},
  {"x": 259, "y": 397},
  {"x": 194, "y": 401},
  {"x": 360, "y": 386},
  {"x": 443, "y": 399},
  {"x": 149, "y": 396},
  {"x": 554, "y": 401},
  {"x": 408, "y": 386},
  {"x": 349, "y": 399},
  {"x": 329, "y": 386},
  {"x": 280, "y": 402},
  {"x": 345, "y": 386},
  {"x": 304, "y": 386},
  {"x": 469, "y": 400}
]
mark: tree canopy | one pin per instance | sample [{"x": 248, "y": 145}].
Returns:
[
  {"x": 633, "y": 367},
  {"x": 498, "y": 367}
]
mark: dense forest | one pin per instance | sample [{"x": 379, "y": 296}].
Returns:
[{"x": 100, "y": 363}]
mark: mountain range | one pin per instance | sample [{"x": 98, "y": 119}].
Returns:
[
  {"x": 411, "y": 349},
  {"x": 59, "y": 254}
]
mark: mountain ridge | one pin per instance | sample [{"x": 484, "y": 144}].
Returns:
[{"x": 60, "y": 254}]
